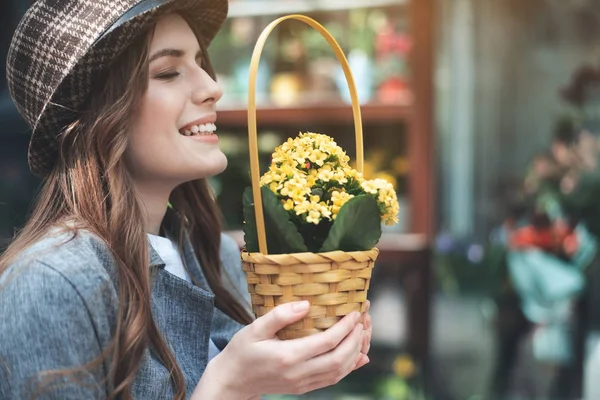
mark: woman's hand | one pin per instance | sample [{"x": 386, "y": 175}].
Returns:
[
  {"x": 367, "y": 333},
  {"x": 256, "y": 362}
]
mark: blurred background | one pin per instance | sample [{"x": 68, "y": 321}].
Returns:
[{"x": 485, "y": 115}]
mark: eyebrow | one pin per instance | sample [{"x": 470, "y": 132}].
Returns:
[{"x": 177, "y": 53}]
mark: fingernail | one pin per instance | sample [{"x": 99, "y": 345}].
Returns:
[
  {"x": 357, "y": 316},
  {"x": 300, "y": 306}
]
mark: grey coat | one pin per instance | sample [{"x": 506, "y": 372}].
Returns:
[{"x": 58, "y": 308}]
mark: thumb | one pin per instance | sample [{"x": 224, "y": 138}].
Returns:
[{"x": 281, "y": 316}]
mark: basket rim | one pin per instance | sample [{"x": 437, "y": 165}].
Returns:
[{"x": 372, "y": 253}]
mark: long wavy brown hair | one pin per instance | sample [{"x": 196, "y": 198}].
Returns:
[{"x": 91, "y": 185}]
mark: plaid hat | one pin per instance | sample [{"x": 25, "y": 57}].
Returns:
[{"x": 61, "y": 46}]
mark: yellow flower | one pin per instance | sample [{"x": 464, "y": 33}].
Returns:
[
  {"x": 386, "y": 198},
  {"x": 311, "y": 177},
  {"x": 288, "y": 204},
  {"x": 340, "y": 176},
  {"x": 404, "y": 367},
  {"x": 286, "y": 170},
  {"x": 325, "y": 211},
  {"x": 314, "y": 217},
  {"x": 283, "y": 158},
  {"x": 317, "y": 211},
  {"x": 325, "y": 173},
  {"x": 301, "y": 155},
  {"x": 313, "y": 161},
  {"x": 352, "y": 173},
  {"x": 386, "y": 177},
  {"x": 400, "y": 165},
  {"x": 302, "y": 207},
  {"x": 370, "y": 187},
  {"x": 338, "y": 199},
  {"x": 318, "y": 157},
  {"x": 295, "y": 187}
]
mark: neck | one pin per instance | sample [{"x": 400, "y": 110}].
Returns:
[{"x": 154, "y": 200}]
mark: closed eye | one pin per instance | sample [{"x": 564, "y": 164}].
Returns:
[
  {"x": 176, "y": 54},
  {"x": 165, "y": 76}
]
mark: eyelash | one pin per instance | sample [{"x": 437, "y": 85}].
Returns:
[{"x": 166, "y": 76}]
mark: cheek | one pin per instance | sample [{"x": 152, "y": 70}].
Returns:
[
  {"x": 160, "y": 111},
  {"x": 155, "y": 148},
  {"x": 154, "y": 130}
]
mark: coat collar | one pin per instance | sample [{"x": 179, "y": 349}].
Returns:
[
  {"x": 155, "y": 260},
  {"x": 172, "y": 224}
]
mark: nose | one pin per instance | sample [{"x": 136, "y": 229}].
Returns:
[{"x": 205, "y": 89}]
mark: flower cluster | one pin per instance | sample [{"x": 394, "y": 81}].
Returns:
[{"x": 312, "y": 177}]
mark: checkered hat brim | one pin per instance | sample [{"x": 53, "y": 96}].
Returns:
[{"x": 61, "y": 46}]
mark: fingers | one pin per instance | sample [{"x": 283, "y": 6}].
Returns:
[
  {"x": 339, "y": 361},
  {"x": 366, "y": 346},
  {"x": 320, "y": 343},
  {"x": 331, "y": 377},
  {"x": 368, "y": 332},
  {"x": 361, "y": 361},
  {"x": 366, "y": 342},
  {"x": 269, "y": 324},
  {"x": 367, "y": 316}
]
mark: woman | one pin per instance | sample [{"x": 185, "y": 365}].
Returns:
[{"x": 121, "y": 284}]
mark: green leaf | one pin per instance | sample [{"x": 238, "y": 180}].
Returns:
[
  {"x": 282, "y": 235},
  {"x": 357, "y": 226},
  {"x": 317, "y": 192},
  {"x": 314, "y": 235}
]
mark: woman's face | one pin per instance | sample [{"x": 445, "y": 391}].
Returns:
[{"x": 172, "y": 139}]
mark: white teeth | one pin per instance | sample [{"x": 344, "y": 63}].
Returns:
[{"x": 202, "y": 129}]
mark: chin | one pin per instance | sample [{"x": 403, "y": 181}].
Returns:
[{"x": 217, "y": 166}]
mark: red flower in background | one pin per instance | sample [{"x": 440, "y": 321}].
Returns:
[
  {"x": 554, "y": 237},
  {"x": 392, "y": 42}
]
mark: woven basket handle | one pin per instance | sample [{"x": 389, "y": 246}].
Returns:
[{"x": 254, "y": 63}]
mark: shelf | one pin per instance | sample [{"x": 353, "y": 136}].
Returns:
[
  {"x": 331, "y": 114},
  {"x": 251, "y": 8}
]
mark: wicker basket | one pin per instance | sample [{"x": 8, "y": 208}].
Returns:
[{"x": 335, "y": 283}]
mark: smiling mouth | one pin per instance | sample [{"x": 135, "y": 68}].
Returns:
[{"x": 200, "y": 130}]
